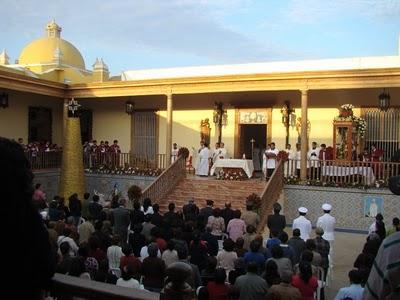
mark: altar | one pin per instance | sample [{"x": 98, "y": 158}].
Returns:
[
  {"x": 366, "y": 172},
  {"x": 245, "y": 164}
]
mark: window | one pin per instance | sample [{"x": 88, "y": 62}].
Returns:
[{"x": 383, "y": 129}]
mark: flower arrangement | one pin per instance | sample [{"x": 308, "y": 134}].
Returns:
[
  {"x": 134, "y": 171},
  {"x": 134, "y": 193},
  {"x": 231, "y": 174},
  {"x": 183, "y": 151},
  {"x": 282, "y": 155},
  {"x": 346, "y": 114},
  {"x": 253, "y": 200},
  {"x": 292, "y": 179}
]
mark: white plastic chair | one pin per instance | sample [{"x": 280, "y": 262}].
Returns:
[
  {"x": 224, "y": 236},
  {"x": 116, "y": 272}
]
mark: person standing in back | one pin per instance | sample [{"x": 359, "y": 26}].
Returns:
[
  {"x": 327, "y": 223},
  {"x": 122, "y": 221},
  {"x": 276, "y": 221},
  {"x": 303, "y": 224}
]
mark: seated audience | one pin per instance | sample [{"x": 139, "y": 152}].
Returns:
[
  {"x": 305, "y": 281},
  {"x": 355, "y": 290},
  {"x": 218, "y": 289},
  {"x": 127, "y": 279},
  {"x": 284, "y": 290}
]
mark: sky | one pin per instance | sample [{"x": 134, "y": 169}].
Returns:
[{"x": 143, "y": 34}]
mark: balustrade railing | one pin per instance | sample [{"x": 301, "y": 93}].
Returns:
[
  {"x": 44, "y": 160},
  {"x": 68, "y": 287},
  {"x": 123, "y": 160},
  {"x": 270, "y": 195},
  {"x": 343, "y": 172},
  {"x": 166, "y": 181},
  {"x": 52, "y": 160}
]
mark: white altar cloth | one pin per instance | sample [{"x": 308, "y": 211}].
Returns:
[
  {"x": 367, "y": 172},
  {"x": 245, "y": 164}
]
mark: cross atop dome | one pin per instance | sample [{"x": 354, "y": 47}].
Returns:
[{"x": 53, "y": 30}]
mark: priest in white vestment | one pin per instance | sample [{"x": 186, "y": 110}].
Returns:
[
  {"x": 215, "y": 153},
  {"x": 313, "y": 161},
  {"x": 270, "y": 157},
  {"x": 288, "y": 166},
  {"x": 203, "y": 161},
  {"x": 222, "y": 151}
]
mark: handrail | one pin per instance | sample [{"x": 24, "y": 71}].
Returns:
[
  {"x": 52, "y": 160},
  {"x": 270, "y": 194},
  {"x": 67, "y": 287},
  {"x": 343, "y": 172},
  {"x": 168, "y": 179}
]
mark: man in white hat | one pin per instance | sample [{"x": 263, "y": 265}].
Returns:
[
  {"x": 327, "y": 223},
  {"x": 303, "y": 224}
]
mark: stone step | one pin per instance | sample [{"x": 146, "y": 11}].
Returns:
[{"x": 220, "y": 191}]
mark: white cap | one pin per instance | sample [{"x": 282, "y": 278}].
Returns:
[
  {"x": 303, "y": 210},
  {"x": 326, "y": 206}
]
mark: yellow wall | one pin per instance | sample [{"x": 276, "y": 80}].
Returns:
[
  {"x": 186, "y": 129},
  {"x": 321, "y": 120},
  {"x": 14, "y": 119},
  {"x": 110, "y": 121}
]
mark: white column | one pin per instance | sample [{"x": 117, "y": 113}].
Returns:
[
  {"x": 168, "y": 143},
  {"x": 304, "y": 137}
]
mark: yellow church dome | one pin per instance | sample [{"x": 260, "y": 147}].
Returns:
[{"x": 51, "y": 49}]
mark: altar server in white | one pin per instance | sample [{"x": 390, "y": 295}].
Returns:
[
  {"x": 327, "y": 223},
  {"x": 222, "y": 150},
  {"x": 216, "y": 153},
  {"x": 313, "y": 161},
  {"x": 288, "y": 167},
  {"x": 174, "y": 152},
  {"x": 204, "y": 158},
  {"x": 303, "y": 224},
  {"x": 271, "y": 156}
]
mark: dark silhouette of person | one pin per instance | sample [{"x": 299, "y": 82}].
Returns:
[{"x": 29, "y": 249}]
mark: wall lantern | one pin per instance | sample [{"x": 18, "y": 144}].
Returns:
[
  {"x": 130, "y": 107},
  {"x": 4, "y": 100},
  {"x": 384, "y": 100}
]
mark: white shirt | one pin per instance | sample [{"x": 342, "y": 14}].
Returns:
[
  {"x": 223, "y": 153},
  {"x": 313, "y": 156},
  {"x": 297, "y": 157},
  {"x": 114, "y": 254},
  {"x": 144, "y": 253},
  {"x": 174, "y": 154},
  {"x": 271, "y": 162},
  {"x": 73, "y": 248},
  {"x": 149, "y": 210},
  {"x": 131, "y": 283},
  {"x": 327, "y": 223},
  {"x": 304, "y": 225}
]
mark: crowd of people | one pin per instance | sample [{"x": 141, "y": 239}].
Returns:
[{"x": 226, "y": 256}]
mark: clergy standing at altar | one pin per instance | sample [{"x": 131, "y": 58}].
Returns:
[
  {"x": 215, "y": 153},
  {"x": 270, "y": 156},
  {"x": 203, "y": 160},
  {"x": 288, "y": 165},
  {"x": 222, "y": 150}
]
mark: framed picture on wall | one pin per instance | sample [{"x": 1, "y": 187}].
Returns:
[{"x": 372, "y": 206}]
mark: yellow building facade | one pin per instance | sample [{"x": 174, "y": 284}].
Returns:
[{"x": 175, "y": 101}]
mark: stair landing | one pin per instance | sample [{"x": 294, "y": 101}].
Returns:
[{"x": 220, "y": 191}]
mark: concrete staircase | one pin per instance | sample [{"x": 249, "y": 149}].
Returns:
[{"x": 220, "y": 191}]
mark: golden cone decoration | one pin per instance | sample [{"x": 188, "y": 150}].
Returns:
[{"x": 72, "y": 179}]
